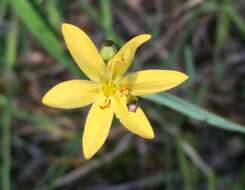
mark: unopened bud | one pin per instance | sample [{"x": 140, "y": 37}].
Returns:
[{"x": 108, "y": 50}]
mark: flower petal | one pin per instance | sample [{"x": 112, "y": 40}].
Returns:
[
  {"x": 120, "y": 63},
  {"x": 71, "y": 94},
  {"x": 152, "y": 81},
  {"x": 96, "y": 129},
  {"x": 84, "y": 52},
  {"x": 136, "y": 122}
]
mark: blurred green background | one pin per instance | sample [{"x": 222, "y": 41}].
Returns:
[{"x": 199, "y": 143}]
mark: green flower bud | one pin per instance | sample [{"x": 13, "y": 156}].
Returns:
[{"x": 108, "y": 50}]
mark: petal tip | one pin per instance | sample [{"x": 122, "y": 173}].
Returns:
[
  {"x": 150, "y": 136},
  {"x": 184, "y": 77},
  {"x": 142, "y": 38},
  {"x": 181, "y": 77},
  {"x": 88, "y": 154},
  {"x": 146, "y": 37},
  {"x": 64, "y": 25},
  {"x": 44, "y": 99},
  {"x": 68, "y": 27}
]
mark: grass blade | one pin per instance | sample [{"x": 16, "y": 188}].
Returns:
[
  {"x": 106, "y": 18},
  {"x": 6, "y": 144},
  {"x": 6, "y": 117},
  {"x": 3, "y": 9},
  {"x": 54, "y": 14},
  {"x": 41, "y": 121},
  {"x": 235, "y": 17},
  {"x": 42, "y": 32},
  {"x": 221, "y": 32},
  {"x": 184, "y": 167},
  {"x": 106, "y": 23},
  {"x": 195, "y": 112}
]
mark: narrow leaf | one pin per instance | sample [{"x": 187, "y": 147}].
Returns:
[
  {"x": 42, "y": 32},
  {"x": 195, "y": 112}
]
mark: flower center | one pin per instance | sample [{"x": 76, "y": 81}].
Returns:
[{"x": 109, "y": 89}]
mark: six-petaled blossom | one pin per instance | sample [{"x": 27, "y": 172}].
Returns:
[{"x": 108, "y": 90}]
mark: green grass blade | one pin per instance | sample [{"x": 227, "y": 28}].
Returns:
[
  {"x": 184, "y": 167},
  {"x": 6, "y": 144},
  {"x": 189, "y": 63},
  {"x": 88, "y": 9},
  {"x": 54, "y": 14},
  {"x": 210, "y": 6},
  {"x": 3, "y": 9},
  {"x": 222, "y": 29},
  {"x": 6, "y": 117},
  {"x": 106, "y": 22},
  {"x": 195, "y": 112},
  {"x": 211, "y": 180},
  {"x": 170, "y": 61},
  {"x": 106, "y": 18},
  {"x": 43, "y": 122},
  {"x": 235, "y": 17},
  {"x": 11, "y": 44},
  {"x": 42, "y": 32}
]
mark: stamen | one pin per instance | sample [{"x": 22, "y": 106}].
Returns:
[
  {"x": 124, "y": 91},
  {"x": 107, "y": 104}
]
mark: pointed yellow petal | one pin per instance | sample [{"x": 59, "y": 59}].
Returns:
[
  {"x": 120, "y": 63},
  {"x": 84, "y": 52},
  {"x": 152, "y": 81},
  {"x": 136, "y": 122},
  {"x": 96, "y": 129},
  {"x": 71, "y": 94}
]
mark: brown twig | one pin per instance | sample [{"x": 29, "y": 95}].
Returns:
[
  {"x": 132, "y": 27},
  {"x": 94, "y": 164},
  {"x": 160, "y": 47}
]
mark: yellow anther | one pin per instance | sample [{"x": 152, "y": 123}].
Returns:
[
  {"x": 107, "y": 104},
  {"x": 124, "y": 91}
]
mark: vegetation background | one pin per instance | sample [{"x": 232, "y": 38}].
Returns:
[{"x": 199, "y": 144}]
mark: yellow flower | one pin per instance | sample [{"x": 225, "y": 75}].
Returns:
[{"x": 108, "y": 90}]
